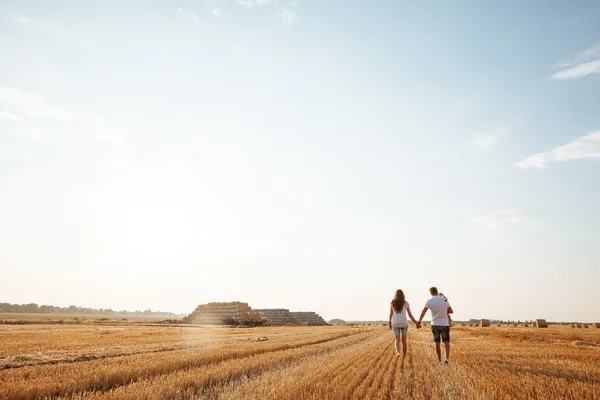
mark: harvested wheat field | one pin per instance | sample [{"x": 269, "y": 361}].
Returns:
[{"x": 154, "y": 362}]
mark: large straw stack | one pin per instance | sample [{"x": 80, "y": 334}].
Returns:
[
  {"x": 596, "y": 324},
  {"x": 278, "y": 316},
  {"x": 308, "y": 318},
  {"x": 224, "y": 313},
  {"x": 484, "y": 323},
  {"x": 541, "y": 323}
]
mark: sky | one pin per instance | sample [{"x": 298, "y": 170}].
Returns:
[{"x": 310, "y": 155}]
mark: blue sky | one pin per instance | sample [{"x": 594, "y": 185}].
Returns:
[{"x": 311, "y": 155}]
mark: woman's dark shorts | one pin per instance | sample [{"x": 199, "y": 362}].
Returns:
[{"x": 441, "y": 332}]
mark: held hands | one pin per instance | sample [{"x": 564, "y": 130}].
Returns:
[{"x": 417, "y": 324}]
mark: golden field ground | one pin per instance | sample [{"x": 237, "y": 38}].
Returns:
[{"x": 342, "y": 362}]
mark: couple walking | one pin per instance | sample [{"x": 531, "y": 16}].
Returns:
[{"x": 440, "y": 321}]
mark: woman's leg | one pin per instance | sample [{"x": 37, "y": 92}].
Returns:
[
  {"x": 397, "y": 345},
  {"x": 404, "y": 345}
]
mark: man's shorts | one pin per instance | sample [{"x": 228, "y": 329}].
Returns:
[
  {"x": 403, "y": 330},
  {"x": 441, "y": 332}
]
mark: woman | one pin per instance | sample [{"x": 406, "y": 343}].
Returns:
[{"x": 398, "y": 322}]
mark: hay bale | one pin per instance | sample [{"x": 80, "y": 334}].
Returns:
[
  {"x": 225, "y": 313},
  {"x": 541, "y": 323},
  {"x": 308, "y": 318},
  {"x": 596, "y": 324},
  {"x": 484, "y": 323},
  {"x": 572, "y": 325}
]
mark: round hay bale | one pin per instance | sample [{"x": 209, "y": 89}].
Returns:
[{"x": 541, "y": 323}]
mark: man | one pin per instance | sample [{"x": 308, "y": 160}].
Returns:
[{"x": 440, "y": 324}]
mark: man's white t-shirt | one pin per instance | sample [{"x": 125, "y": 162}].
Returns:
[
  {"x": 399, "y": 318},
  {"x": 439, "y": 311}
]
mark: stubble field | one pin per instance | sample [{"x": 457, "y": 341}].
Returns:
[{"x": 154, "y": 362}]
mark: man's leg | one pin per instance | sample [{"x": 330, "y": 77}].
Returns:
[
  {"x": 446, "y": 340},
  {"x": 435, "y": 330}
]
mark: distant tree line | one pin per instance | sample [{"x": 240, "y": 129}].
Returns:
[{"x": 33, "y": 308}]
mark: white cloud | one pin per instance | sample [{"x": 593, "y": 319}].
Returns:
[
  {"x": 188, "y": 14},
  {"x": 34, "y": 106},
  {"x": 9, "y": 116},
  {"x": 288, "y": 16},
  {"x": 45, "y": 28},
  {"x": 586, "y": 55},
  {"x": 584, "y": 63},
  {"x": 217, "y": 12},
  {"x": 584, "y": 147},
  {"x": 502, "y": 217},
  {"x": 254, "y": 3},
  {"x": 487, "y": 139},
  {"x": 579, "y": 71}
]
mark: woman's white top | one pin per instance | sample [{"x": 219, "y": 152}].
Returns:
[{"x": 399, "y": 318}]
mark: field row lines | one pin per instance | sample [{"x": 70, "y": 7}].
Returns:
[
  {"x": 188, "y": 383},
  {"x": 104, "y": 375}
]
